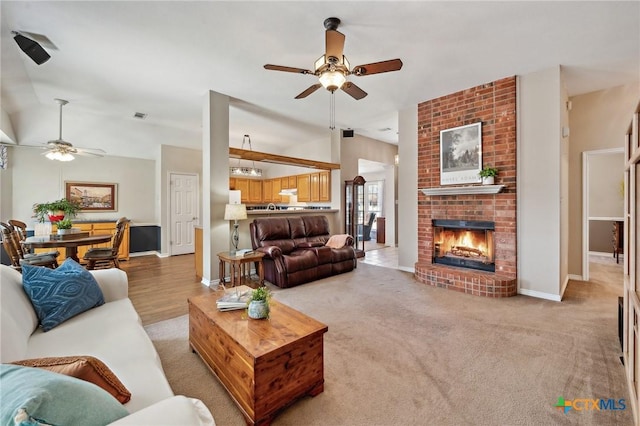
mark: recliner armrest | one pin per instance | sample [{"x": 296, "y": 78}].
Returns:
[{"x": 271, "y": 251}]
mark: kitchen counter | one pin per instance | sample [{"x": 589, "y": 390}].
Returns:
[{"x": 290, "y": 212}]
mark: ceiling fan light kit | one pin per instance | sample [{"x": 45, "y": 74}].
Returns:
[
  {"x": 333, "y": 68},
  {"x": 32, "y": 48},
  {"x": 62, "y": 150}
]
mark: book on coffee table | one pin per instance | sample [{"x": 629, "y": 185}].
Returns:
[{"x": 234, "y": 298}]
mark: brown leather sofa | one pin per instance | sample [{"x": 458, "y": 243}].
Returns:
[{"x": 295, "y": 251}]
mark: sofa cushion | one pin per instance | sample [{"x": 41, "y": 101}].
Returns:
[
  {"x": 315, "y": 225},
  {"x": 342, "y": 254},
  {"x": 61, "y": 293},
  {"x": 86, "y": 368},
  {"x": 34, "y": 396},
  {"x": 300, "y": 260},
  {"x": 296, "y": 225},
  {"x": 17, "y": 317},
  {"x": 122, "y": 344}
]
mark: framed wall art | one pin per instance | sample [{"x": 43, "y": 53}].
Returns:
[
  {"x": 93, "y": 196},
  {"x": 461, "y": 154}
]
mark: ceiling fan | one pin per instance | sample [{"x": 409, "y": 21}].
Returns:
[
  {"x": 333, "y": 68},
  {"x": 61, "y": 150}
]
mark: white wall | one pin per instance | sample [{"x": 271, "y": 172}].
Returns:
[
  {"x": 38, "y": 179},
  {"x": 606, "y": 196},
  {"x": 175, "y": 160},
  {"x": 599, "y": 120},
  {"x": 538, "y": 179},
  {"x": 408, "y": 188}
]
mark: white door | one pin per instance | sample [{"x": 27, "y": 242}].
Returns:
[{"x": 184, "y": 212}]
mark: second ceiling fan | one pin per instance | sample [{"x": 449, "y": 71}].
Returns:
[{"x": 333, "y": 68}]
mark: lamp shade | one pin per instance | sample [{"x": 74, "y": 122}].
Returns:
[{"x": 235, "y": 212}]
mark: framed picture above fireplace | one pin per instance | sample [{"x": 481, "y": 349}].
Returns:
[{"x": 461, "y": 154}]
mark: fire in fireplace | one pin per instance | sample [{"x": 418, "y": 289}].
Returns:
[{"x": 464, "y": 243}]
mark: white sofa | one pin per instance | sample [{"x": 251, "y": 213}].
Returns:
[{"x": 112, "y": 333}]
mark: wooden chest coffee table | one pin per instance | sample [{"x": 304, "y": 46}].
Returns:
[{"x": 264, "y": 364}]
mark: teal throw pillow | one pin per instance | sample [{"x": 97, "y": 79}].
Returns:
[
  {"x": 33, "y": 396},
  {"x": 61, "y": 293}
]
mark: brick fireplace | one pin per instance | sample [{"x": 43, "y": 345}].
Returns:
[{"x": 493, "y": 104}]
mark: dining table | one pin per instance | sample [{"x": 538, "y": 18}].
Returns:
[{"x": 69, "y": 242}]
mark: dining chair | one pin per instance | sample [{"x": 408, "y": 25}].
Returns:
[
  {"x": 105, "y": 256},
  {"x": 13, "y": 248},
  {"x": 20, "y": 229}
]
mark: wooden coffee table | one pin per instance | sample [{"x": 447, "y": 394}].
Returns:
[{"x": 264, "y": 364}]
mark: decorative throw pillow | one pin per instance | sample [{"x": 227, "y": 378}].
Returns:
[
  {"x": 32, "y": 396},
  {"x": 61, "y": 293},
  {"x": 87, "y": 368}
]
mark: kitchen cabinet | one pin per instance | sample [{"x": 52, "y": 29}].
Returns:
[
  {"x": 276, "y": 185},
  {"x": 313, "y": 187},
  {"x": 255, "y": 191},
  {"x": 242, "y": 185},
  {"x": 267, "y": 191},
  {"x": 304, "y": 187},
  {"x": 314, "y": 184},
  {"x": 325, "y": 186}
]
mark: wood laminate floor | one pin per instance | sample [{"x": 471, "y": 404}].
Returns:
[{"x": 159, "y": 287}]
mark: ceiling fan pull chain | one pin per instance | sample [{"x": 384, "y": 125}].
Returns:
[{"x": 332, "y": 111}]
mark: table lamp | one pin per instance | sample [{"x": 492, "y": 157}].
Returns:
[{"x": 235, "y": 212}]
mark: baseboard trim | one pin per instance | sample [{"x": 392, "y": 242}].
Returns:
[
  {"x": 540, "y": 294},
  {"x": 407, "y": 269},
  {"x": 143, "y": 253},
  {"x": 576, "y": 277},
  {"x": 601, "y": 253}
]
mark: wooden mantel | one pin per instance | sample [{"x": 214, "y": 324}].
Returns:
[{"x": 280, "y": 159}]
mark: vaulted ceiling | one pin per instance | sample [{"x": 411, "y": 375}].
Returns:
[{"x": 113, "y": 59}]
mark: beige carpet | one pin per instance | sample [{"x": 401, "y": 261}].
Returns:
[{"x": 402, "y": 353}]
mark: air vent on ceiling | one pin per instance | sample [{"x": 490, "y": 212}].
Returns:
[{"x": 140, "y": 115}]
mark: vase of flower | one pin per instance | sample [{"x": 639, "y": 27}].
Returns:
[{"x": 259, "y": 303}]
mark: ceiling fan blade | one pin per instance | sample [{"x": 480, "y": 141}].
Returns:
[
  {"x": 334, "y": 44},
  {"x": 354, "y": 91},
  {"x": 287, "y": 69},
  {"x": 377, "y": 67},
  {"x": 89, "y": 154},
  {"x": 309, "y": 91}
]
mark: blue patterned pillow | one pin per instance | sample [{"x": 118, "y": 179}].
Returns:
[
  {"x": 61, "y": 293},
  {"x": 32, "y": 396}
]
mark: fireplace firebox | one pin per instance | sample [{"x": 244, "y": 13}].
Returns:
[{"x": 464, "y": 243}]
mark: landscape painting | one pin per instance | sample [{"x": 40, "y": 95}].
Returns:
[
  {"x": 93, "y": 197},
  {"x": 461, "y": 154}
]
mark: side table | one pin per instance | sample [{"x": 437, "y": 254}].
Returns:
[{"x": 238, "y": 266}]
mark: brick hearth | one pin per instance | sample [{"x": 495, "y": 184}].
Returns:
[{"x": 494, "y": 104}]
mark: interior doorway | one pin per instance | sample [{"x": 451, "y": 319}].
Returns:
[
  {"x": 379, "y": 204},
  {"x": 602, "y": 202},
  {"x": 183, "y": 205}
]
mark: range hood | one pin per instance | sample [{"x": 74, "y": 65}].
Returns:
[{"x": 292, "y": 191}]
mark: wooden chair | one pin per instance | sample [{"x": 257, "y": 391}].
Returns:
[
  {"x": 13, "y": 248},
  {"x": 20, "y": 229},
  {"x": 105, "y": 256}
]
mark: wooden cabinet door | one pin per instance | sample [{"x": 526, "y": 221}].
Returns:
[
  {"x": 232, "y": 183},
  {"x": 293, "y": 182},
  {"x": 284, "y": 184},
  {"x": 267, "y": 191},
  {"x": 304, "y": 187},
  {"x": 276, "y": 185},
  {"x": 314, "y": 179},
  {"x": 325, "y": 186},
  {"x": 255, "y": 191},
  {"x": 242, "y": 185}
]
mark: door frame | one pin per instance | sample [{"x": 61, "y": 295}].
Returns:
[
  {"x": 586, "y": 155},
  {"x": 170, "y": 205}
]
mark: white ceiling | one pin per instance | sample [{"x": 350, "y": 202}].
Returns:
[{"x": 112, "y": 59}]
